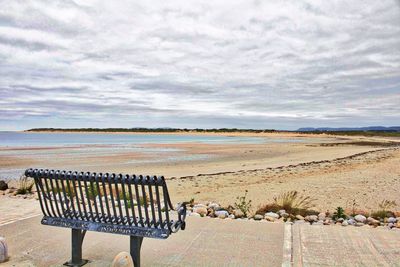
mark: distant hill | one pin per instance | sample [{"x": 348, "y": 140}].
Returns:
[{"x": 345, "y": 129}]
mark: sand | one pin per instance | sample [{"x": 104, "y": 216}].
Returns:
[{"x": 334, "y": 170}]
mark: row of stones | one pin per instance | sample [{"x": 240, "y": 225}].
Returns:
[{"x": 214, "y": 210}]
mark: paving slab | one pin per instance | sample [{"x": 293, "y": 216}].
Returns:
[
  {"x": 320, "y": 245},
  {"x": 205, "y": 242}
]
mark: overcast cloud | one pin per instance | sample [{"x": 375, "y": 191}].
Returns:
[{"x": 245, "y": 64}]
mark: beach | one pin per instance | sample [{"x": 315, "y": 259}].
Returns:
[{"x": 333, "y": 170}]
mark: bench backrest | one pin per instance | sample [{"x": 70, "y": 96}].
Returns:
[{"x": 113, "y": 199}]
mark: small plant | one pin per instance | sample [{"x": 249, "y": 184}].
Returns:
[
  {"x": 384, "y": 209},
  {"x": 243, "y": 204},
  {"x": 25, "y": 186},
  {"x": 92, "y": 191},
  {"x": 191, "y": 202},
  {"x": 339, "y": 213},
  {"x": 292, "y": 201}
]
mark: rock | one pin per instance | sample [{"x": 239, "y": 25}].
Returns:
[
  {"x": 258, "y": 217},
  {"x": 238, "y": 214},
  {"x": 272, "y": 214},
  {"x": 123, "y": 259},
  {"x": 360, "y": 218},
  {"x": 359, "y": 224},
  {"x": 280, "y": 212},
  {"x": 222, "y": 214},
  {"x": 322, "y": 216},
  {"x": 398, "y": 224},
  {"x": 311, "y": 218},
  {"x": 351, "y": 221},
  {"x": 231, "y": 216},
  {"x": 213, "y": 206},
  {"x": 345, "y": 223},
  {"x": 372, "y": 221},
  {"x": 327, "y": 221},
  {"x": 269, "y": 218},
  {"x": 3, "y": 250},
  {"x": 211, "y": 213},
  {"x": 396, "y": 214},
  {"x": 299, "y": 217},
  {"x": 202, "y": 210},
  {"x": 195, "y": 214},
  {"x": 392, "y": 220},
  {"x": 390, "y": 225},
  {"x": 340, "y": 220},
  {"x": 3, "y": 185}
]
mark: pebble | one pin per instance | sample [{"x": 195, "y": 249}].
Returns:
[
  {"x": 258, "y": 217},
  {"x": 123, "y": 259},
  {"x": 3, "y": 185},
  {"x": 202, "y": 210},
  {"x": 321, "y": 216},
  {"x": 231, "y": 216},
  {"x": 3, "y": 250},
  {"x": 272, "y": 214},
  {"x": 390, "y": 225},
  {"x": 238, "y": 214},
  {"x": 351, "y": 221},
  {"x": 345, "y": 223},
  {"x": 222, "y": 214},
  {"x": 360, "y": 218}
]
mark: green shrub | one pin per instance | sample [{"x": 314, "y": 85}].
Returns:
[
  {"x": 339, "y": 213},
  {"x": 243, "y": 204}
]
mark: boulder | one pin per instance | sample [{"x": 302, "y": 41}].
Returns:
[
  {"x": 322, "y": 216},
  {"x": 272, "y": 214},
  {"x": 202, "y": 210},
  {"x": 3, "y": 250},
  {"x": 213, "y": 206},
  {"x": 258, "y": 217},
  {"x": 3, "y": 185},
  {"x": 222, "y": 214},
  {"x": 311, "y": 218},
  {"x": 123, "y": 259},
  {"x": 238, "y": 214},
  {"x": 360, "y": 218}
]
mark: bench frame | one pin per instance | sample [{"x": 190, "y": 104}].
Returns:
[{"x": 63, "y": 207}]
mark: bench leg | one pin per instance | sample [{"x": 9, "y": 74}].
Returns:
[
  {"x": 76, "y": 249},
  {"x": 136, "y": 244}
]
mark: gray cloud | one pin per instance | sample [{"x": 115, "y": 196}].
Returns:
[{"x": 279, "y": 64}]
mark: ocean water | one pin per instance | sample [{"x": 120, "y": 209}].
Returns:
[
  {"x": 77, "y": 147},
  {"x": 22, "y": 139}
]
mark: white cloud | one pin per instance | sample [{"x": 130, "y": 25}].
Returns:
[{"x": 261, "y": 64}]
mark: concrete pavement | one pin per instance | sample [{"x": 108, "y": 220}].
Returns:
[{"x": 213, "y": 242}]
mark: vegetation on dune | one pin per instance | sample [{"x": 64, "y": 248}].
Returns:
[
  {"x": 243, "y": 204},
  {"x": 25, "y": 185}
]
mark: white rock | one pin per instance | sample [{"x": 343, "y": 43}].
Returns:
[
  {"x": 258, "y": 217},
  {"x": 272, "y": 214},
  {"x": 213, "y": 206},
  {"x": 231, "y": 216},
  {"x": 123, "y": 259},
  {"x": 360, "y": 218},
  {"x": 321, "y": 216},
  {"x": 345, "y": 223},
  {"x": 200, "y": 210},
  {"x": 3, "y": 250},
  {"x": 222, "y": 214}
]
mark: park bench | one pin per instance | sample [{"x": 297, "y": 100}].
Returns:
[{"x": 138, "y": 206}]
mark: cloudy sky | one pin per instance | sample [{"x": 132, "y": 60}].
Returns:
[{"x": 244, "y": 64}]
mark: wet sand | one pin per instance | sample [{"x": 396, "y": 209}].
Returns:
[{"x": 333, "y": 170}]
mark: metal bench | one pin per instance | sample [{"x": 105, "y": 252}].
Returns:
[{"x": 138, "y": 206}]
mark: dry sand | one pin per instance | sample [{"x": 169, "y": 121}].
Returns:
[{"x": 335, "y": 171}]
